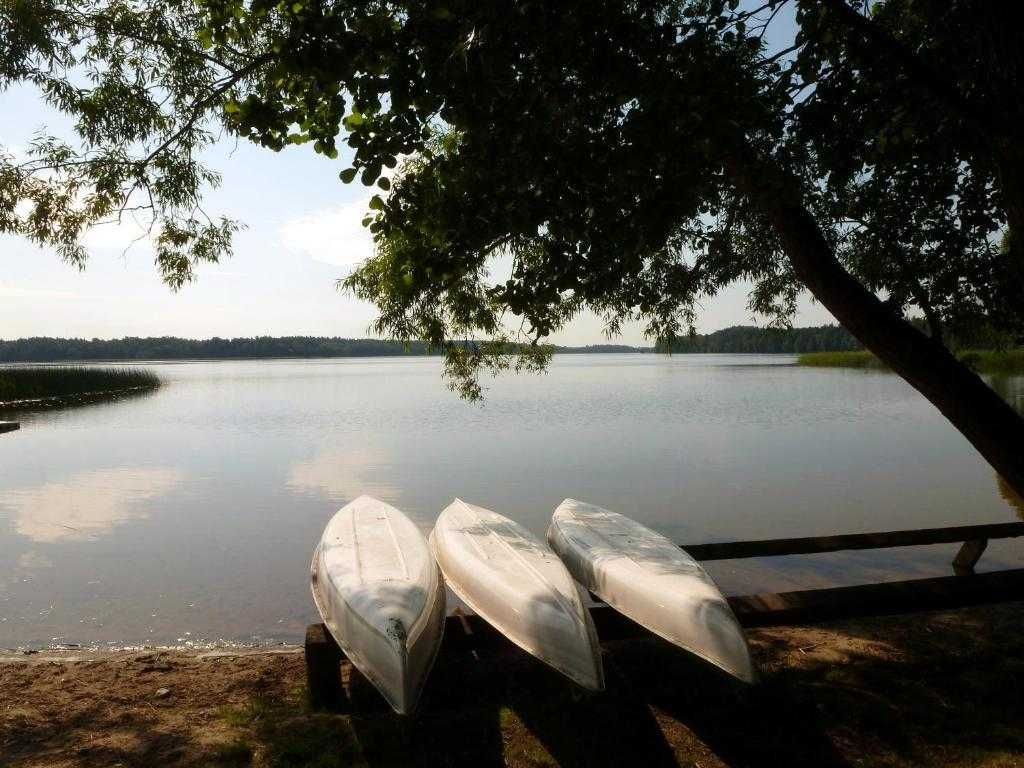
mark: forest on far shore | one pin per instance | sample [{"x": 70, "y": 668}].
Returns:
[
  {"x": 751, "y": 338},
  {"x": 825, "y": 338}
]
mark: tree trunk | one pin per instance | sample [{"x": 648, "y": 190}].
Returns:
[{"x": 994, "y": 428}]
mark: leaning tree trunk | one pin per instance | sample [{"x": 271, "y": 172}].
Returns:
[{"x": 994, "y": 428}]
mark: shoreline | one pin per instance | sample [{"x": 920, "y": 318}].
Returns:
[
  {"x": 925, "y": 689},
  {"x": 67, "y": 401}
]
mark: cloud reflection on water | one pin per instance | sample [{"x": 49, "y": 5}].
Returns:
[
  {"x": 85, "y": 504},
  {"x": 342, "y": 475}
]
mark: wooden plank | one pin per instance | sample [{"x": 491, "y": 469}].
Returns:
[
  {"x": 9, "y": 426},
  {"x": 817, "y": 544},
  {"x": 887, "y": 598},
  {"x": 323, "y": 669}
]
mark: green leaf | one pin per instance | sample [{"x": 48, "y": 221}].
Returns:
[
  {"x": 376, "y": 204},
  {"x": 348, "y": 175},
  {"x": 384, "y": 183}
]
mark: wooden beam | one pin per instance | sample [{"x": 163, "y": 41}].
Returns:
[
  {"x": 816, "y": 544},
  {"x": 968, "y": 556},
  {"x": 323, "y": 669},
  {"x": 887, "y": 598},
  {"x": 9, "y": 426}
]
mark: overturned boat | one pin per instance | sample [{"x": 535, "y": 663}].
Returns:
[
  {"x": 646, "y": 577},
  {"x": 512, "y": 580},
  {"x": 382, "y": 597}
]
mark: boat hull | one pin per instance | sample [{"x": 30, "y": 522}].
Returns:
[
  {"x": 513, "y": 581},
  {"x": 646, "y": 577},
  {"x": 381, "y": 596}
]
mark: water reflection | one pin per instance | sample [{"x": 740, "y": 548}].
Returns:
[
  {"x": 341, "y": 475},
  {"x": 33, "y": 560},
  {"x": 86, "y": 504}
]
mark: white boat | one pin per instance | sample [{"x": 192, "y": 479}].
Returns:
[
  {"x": 382, "y": 597},
  {"x": 512, "y": 580},
  {"x": 646, "y": 577}
]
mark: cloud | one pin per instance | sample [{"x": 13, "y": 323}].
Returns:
[
  {"x": 332, "y": 235},
  {"x": 87, "y": 503}
]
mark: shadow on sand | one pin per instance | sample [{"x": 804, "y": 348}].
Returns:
[{"x": 931, "y": 689}]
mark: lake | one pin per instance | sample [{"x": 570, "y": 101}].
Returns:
[{"x": 188, "y": 516}]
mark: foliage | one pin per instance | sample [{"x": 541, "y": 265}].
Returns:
[
  {"x": 139, "y": 90},
  {"x": 30, "y": 383},
  {"x": 588, "y": 156},
  {"x": 911, "y": 191}
]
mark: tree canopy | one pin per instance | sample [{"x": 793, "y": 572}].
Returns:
[{"x": 142, "y": 96}]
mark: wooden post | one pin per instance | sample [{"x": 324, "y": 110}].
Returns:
[
  {"x": 968, "y": 556},
  {"x": 9, "y": 426},
  {"x": 323, "y": 668}
]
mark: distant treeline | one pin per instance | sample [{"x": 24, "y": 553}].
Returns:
[
  {"x": 44, "y": 349},
  {"x": 750, "y": 338},
  {"x": 47, "y": 349}
]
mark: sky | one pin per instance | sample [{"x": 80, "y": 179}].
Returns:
[{"x": 302, "y": 234}]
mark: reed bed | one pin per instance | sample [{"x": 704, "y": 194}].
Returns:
[
  {"x": 989, "y": 361},
  {"x": 858, "y": 359},
  {"x": 65, "y": 381},
  {"x": 1006, "y": 361}
]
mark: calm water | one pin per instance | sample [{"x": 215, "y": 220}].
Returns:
[{"x": 189, "y": 515}]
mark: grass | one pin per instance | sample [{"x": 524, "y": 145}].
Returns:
[
  {"x": 1006, "y": 361},
  {"x": 38, "y": 382},
  {"x": 234, "y": 754},
  {"x": 290, "y": 734}
]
